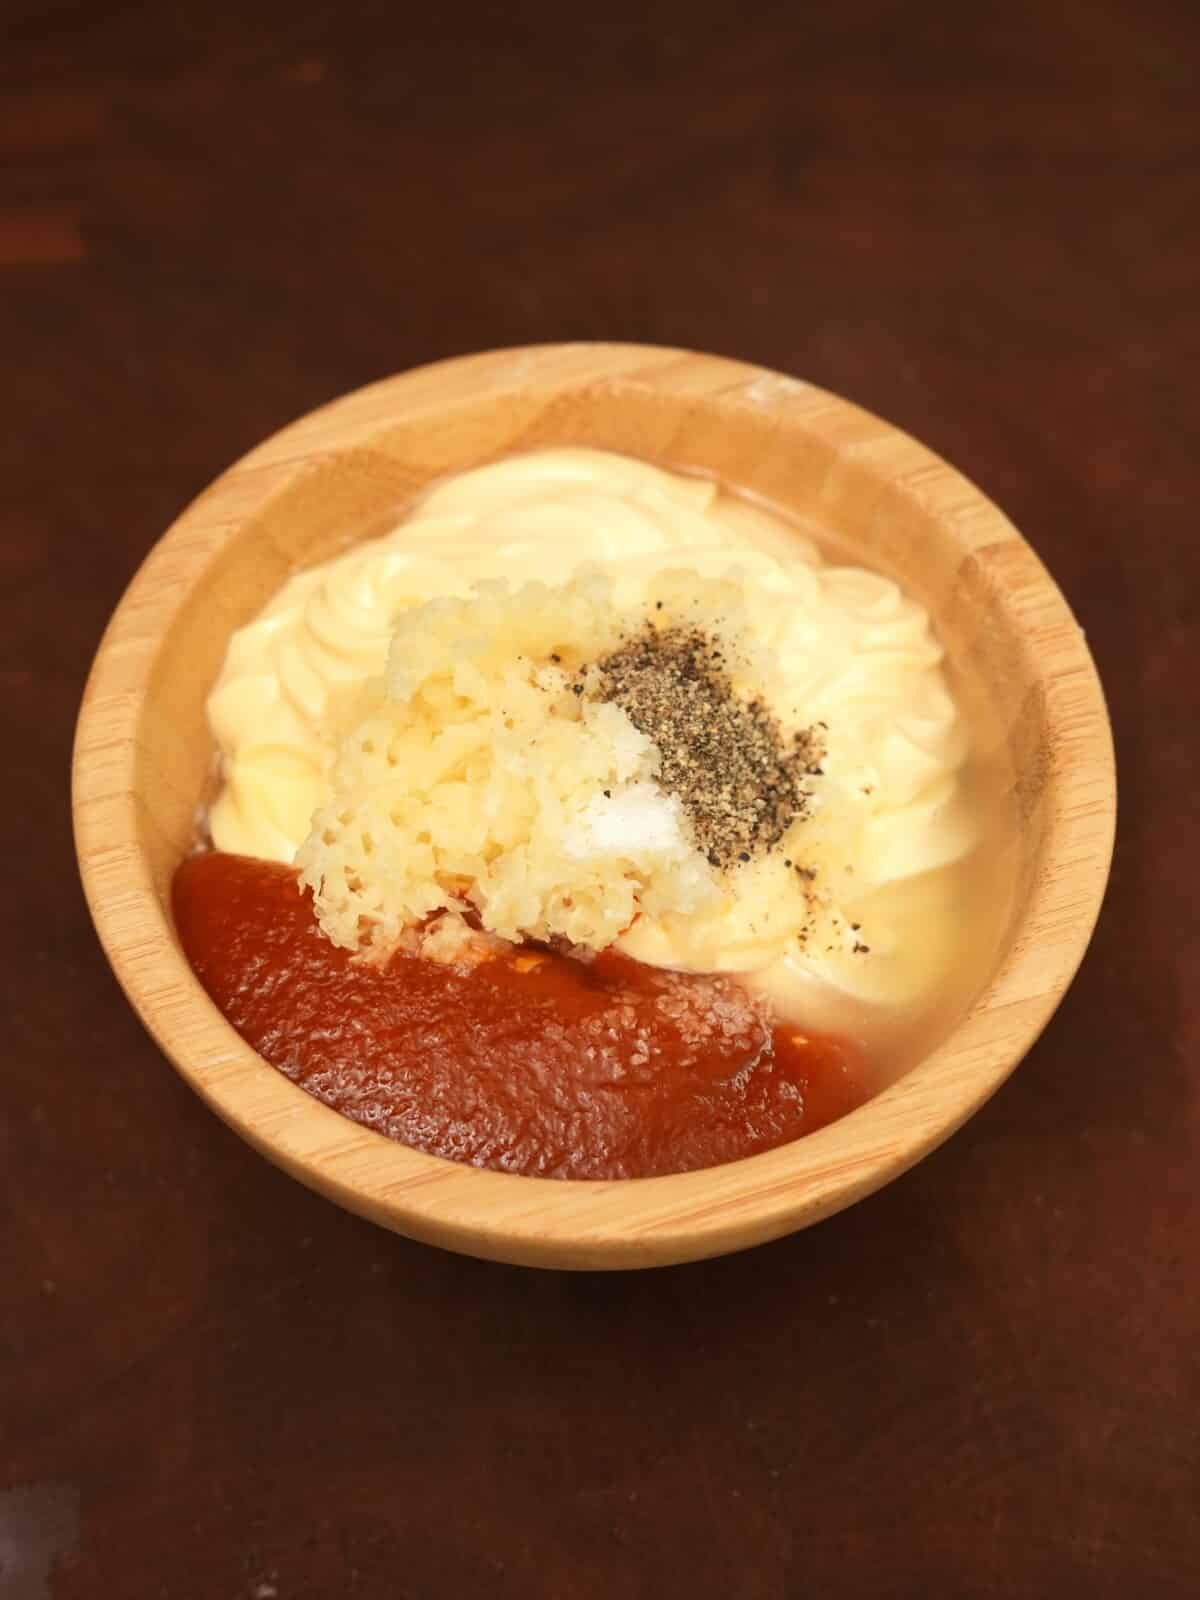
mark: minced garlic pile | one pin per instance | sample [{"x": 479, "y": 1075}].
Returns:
[{"x": 497, "y": 777}]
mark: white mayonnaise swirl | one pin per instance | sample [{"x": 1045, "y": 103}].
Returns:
[{"x": 851, "y": 650}]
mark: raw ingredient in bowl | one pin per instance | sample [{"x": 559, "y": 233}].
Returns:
[
  {"x": 654, "y": 862},
  {"x": 554, "y": 768}
]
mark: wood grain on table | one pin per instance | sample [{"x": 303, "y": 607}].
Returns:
[{"x": 981, "y": 222}]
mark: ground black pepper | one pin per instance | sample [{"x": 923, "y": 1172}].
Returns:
[{"x": 738, "y": 777}]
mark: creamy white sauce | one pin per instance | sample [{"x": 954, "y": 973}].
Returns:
[{"x": 846, "y": 647}]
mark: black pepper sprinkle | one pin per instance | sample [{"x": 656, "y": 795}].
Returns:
[
  {"x": 556, "y": 659},
  {"x": 861, "y": 949},
  {"x": 739, "y": 780}
]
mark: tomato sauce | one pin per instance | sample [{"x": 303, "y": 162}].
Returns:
[{"x": 530, "y": 1062}]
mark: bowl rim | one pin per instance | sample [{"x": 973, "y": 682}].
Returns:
[{"x": 585, "y": 1224}]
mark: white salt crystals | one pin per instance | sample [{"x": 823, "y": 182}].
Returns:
[{"x": 639, "y": 819}]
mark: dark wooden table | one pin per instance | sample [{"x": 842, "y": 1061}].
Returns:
[{"x": 981, "y": 220}]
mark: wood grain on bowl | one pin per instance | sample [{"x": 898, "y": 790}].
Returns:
[{"x": 345, "y": 472}]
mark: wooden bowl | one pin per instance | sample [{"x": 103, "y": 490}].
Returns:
[{"x": 143, "y": 755}]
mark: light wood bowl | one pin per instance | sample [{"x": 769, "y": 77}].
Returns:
[{"x": 143, "y": 755}]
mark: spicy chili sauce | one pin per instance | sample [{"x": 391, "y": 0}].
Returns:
[{"x": 530, "y": 1062}]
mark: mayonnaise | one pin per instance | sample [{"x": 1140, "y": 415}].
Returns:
[{"x": 849, "y": 650}]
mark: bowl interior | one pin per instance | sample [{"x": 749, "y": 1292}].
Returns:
[{"x": 347, "y": 473}]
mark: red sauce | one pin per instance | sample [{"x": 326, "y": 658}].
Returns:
[{"x": 530, "y": 1062}]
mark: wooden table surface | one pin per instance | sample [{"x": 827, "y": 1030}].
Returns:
[{"x": 983, "y": 222}]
